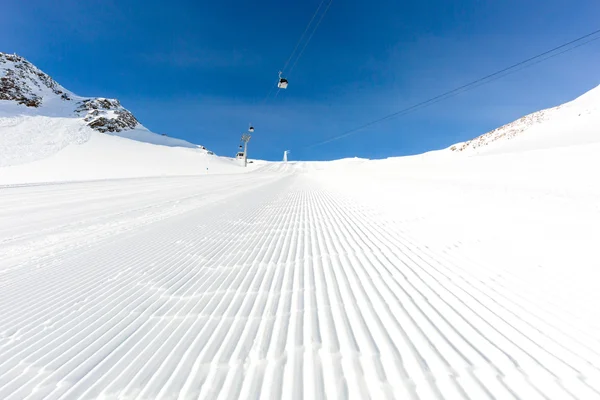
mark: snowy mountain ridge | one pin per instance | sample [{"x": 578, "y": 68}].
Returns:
[
  {"x": 27, "y": 85},
  {"x": 580, "y": 114},
  {"x": 506, "y": 132},
  {"x": 40, "y": 119}
]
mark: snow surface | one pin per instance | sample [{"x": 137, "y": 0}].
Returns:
[
  {"x": 302, "y": 281},
  {"x": 442, "y": 275}
]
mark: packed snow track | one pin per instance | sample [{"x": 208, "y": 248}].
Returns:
[{"x": 272, "y": 284}]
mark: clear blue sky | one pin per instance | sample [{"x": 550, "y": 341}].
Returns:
[{"x": 199, "y": 70}]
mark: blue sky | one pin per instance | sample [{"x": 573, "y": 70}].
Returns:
[{"x": 199, "y": 70}]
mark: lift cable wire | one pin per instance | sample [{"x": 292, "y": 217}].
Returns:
[
  {"x": 476, "y": 83},
  {"x": 303, "y": 34},
  {"x": 310, "y": 37},
  {"x": 263, "y": 102}
]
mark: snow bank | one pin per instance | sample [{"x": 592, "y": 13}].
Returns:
[
  {"x": 24, "y": 139},
  {"x": 141, "y": 134},
  {"x": 47, "y": 144},
  {"x": 104, "y": 156}
]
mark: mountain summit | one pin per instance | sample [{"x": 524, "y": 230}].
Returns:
[
  {"x": 27, "y": 85},
  {"x": 40, "y": 118}
]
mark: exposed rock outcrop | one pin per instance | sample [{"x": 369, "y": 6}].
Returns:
[
  {"x": 106, "y": 115},
  {"x": 23, "y": 83}
]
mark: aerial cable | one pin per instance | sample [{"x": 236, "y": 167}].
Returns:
[
  {"x": 476, "y": 83},
  {"x": 506, "y": 73},
  {"x": 303, "y": 34},
  {"x": 310, "y": 37},
  {"x": 268, "y": 94}
]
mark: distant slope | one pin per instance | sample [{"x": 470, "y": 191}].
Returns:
[
  {"x": 103, "y": 156},
  {"x": 28, "y": 135},
  {"x": 48, "y": 133},
  {"x": 573, "y": 123},
  {"x": 26, "y": 91}
]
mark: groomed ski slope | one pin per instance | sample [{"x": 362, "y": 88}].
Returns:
[{"x": 406, "y": 279}]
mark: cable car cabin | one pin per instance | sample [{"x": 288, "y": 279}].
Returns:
[
  {"x": 282, "y": 83},
  {"x": 240, "y": 155},
  {"x": 251, "y": 129}
]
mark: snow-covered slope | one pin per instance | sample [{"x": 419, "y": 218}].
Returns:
[
  {"x": 24, "y": 83},
  {"x": 48, "y": 133},
  {"x": 427, "y": 277},
  {"x": 569, "y": 124},
  {"x": 347, "y": 280},
  {"x": 37, "y": 93},
  {"x": 106, "y": 157}
]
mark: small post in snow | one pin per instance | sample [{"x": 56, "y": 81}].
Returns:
[{"x": 285, "y": 153}]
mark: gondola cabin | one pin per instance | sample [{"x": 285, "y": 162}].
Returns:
[{"x": 283, "y": 83}]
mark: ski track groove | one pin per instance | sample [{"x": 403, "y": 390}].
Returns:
[
  {"x": 283, "y": 288},
  {"x": 84, "y": 229},
  {"x": 408, "y": 252}
]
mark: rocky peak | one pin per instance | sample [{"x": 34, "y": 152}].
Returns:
[
  {"x": 24, "y": 83},
  {"x": 106, "y": 115}
]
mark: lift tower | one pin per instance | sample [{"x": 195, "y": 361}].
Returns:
[{"x": 246, "y": 138}]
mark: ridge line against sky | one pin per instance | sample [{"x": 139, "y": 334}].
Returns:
[{"x": 197, "y": 70}]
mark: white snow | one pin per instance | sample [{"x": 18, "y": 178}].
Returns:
[
  {"x": 470, "y": 275},
  {"x": 105, "y": 156},
  {"x": 24, "y": 139}
]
